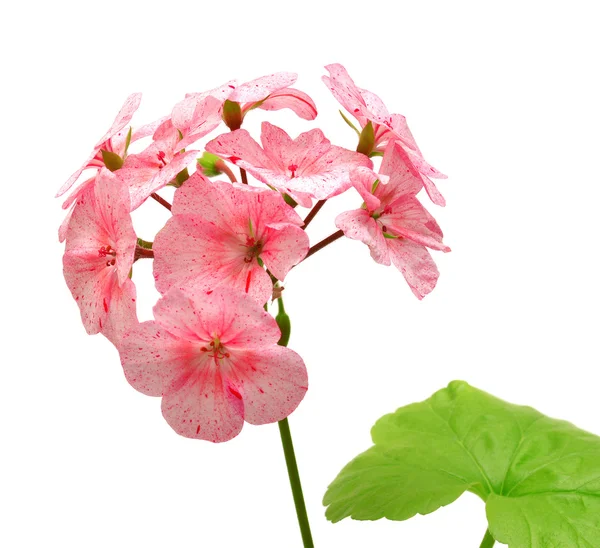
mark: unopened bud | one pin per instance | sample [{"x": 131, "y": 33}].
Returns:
[{"x": 232, "y": 115}]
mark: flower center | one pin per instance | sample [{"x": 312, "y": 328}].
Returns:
[
  {"x": 215, "y": 350},
  {"x": 161, "y": 158},
  {"x": 107, "y": 251},
  {"x": 253, "y": 249},
  {"x": 292, "y": 168}
]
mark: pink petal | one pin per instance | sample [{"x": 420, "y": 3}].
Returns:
[
  {"x": 285, "y": 246},
  {"x": 123, "y": 118},
  {"x": 359, "y": 225},
  {"x": 206, "y": 117},
  {"x": 91, "y": 284},
  {"x": 374, "y": 109},
  {"x": 411, "y": 220},
  {"x": 151, "y": 357},
  {"x": 112, "y": 206},
  {"x": 345, "y": 91},
  {"x": 143, "y": 179},
  {"x": 238, "y": 144},
  {"x": 205, "y": 259},
  {"x": 363, "y": 179},
  {"x": 272, "y": 382},
  {"x": 122, "y": 314},
  {"x": 416, "y": 265},
  {"x": 404, "y": 179},
  {"x": 260, "y": 88},
  {"x": 203, "y": 407},
  {"x": 328, "y": 175},
  {"x": 296, "y": 100}
]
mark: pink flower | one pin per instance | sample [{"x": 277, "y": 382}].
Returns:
[
  {"x": 270, "y": 92},
  {"x": 114, "y": 142},
  {"x": 157, "y": 165},
  {"x": 215, "y": 361},
  {"x": 306, "y": 167},
  {"x": 393, "y": 223},
  {"x": 222, "y": 233},
  {"x": 365, "y": 106},
  {"x": 98, "y": 256}
]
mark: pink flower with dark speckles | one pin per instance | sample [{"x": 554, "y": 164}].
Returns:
[
  {"x": 99, "y": 253},
  {"x": 365, "y": 106},
  {"x": 306, "y": 167},
  {"x": 215, "y": 361},
  {"x": 222, "y": 234},
  {"x": 393, "y": 223}
]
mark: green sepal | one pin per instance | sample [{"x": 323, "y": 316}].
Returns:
[
  {"x": 208, "y": 163},
  {"x": 181, "y": 178},
  {"x": 111, "y": 160},
  {"x": 232, "y": 115},
  {"x": 144, "y": 243},
  {"x": 289, "y": 200},
  {"x": 127, "y": 141},
  {"x": 366, "y": 142},
  {"x": 349, "y": 123}
]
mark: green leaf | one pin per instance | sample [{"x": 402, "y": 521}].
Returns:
[{"x": 539, "y": 477}]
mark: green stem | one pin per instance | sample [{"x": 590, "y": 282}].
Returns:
[
  {"x": 292, "y": 468},
  {"x": 488, "y": 540},
  {"x": 283, "y": 321}
]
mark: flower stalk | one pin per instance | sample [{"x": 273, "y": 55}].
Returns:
[{"x": 283, "y": 321}]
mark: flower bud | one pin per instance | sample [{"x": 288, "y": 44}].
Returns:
[{"x": 232, "y": 115}]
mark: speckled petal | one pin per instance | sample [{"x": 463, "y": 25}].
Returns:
[
  {"x": 122, "y": 119},
  {"x": 189, "y": 252},
  {"x": 404, "y": 179},
  {"x": 411, "y": 220},
  {"x": 359, "y": 225},
  {"x": 206, "y": 117},
  {"x": 90, "y": 282},
  {"x": 363, "y": 180},
  {"x": 416, "y": 265},
  {"x": 259, "y": 89},
  {"x": 122, "y": 314},
  {"x": 238, "y": 144},
  {"x": 285, "y": 246},
  {"x": 202, "y": 406},
  {"x": 151, "y": 357},
  {"x": 294, "y": 99},
  {"x": 272, "y": 382},
  {"x": 345, "y": 91}
]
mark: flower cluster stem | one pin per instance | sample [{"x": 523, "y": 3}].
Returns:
[
  {"x": 283, "y": 321},
  {"x": 488, "y": 540},
  {"x": 161, "y": 201},
  {"x": 325, "y": 242},
  {"x": 292, "y": 468},
  {"x": 313, "y": 212}
]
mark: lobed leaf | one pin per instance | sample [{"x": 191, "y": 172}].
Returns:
[{"x": 539, "y": 477}]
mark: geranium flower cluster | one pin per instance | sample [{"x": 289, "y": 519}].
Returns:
[{"x": 213, "y": 352}]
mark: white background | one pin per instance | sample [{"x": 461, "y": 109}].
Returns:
[{"x": 503, "y": 97}]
